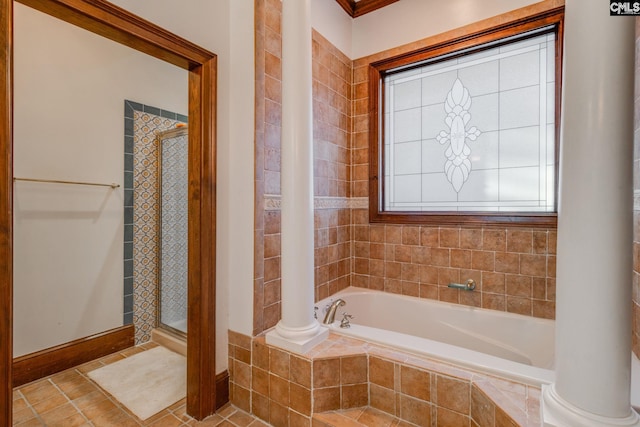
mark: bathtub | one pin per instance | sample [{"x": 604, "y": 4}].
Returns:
[
  {"x": 508, "y": 345},
  {"x": 499, "y": 343}
]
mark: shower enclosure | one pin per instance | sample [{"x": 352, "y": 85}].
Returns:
[{"x": 173, "y": 227}]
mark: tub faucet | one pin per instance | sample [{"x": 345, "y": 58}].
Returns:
[
  {"x": 345, "y": 322},
  {"x": 331, "y": 312}
]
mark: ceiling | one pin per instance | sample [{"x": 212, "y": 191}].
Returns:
[{"x": 357, "y": 8}]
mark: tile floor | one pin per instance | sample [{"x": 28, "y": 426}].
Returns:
[{"x": 70, "y": 399}]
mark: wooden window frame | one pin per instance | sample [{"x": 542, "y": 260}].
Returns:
[{"x": 377, "y": 72}]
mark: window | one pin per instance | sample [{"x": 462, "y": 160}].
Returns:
[{"x": 468, "y": 129}]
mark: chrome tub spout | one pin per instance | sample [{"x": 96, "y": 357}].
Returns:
[{"x": 331, "y": 312}]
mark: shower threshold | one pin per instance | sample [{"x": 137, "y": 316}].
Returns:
[{"x": 170, "y": 340}]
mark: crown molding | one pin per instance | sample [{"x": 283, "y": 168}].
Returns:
[{"x": 359, "y": 8}]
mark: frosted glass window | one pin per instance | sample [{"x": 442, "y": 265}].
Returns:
[{"x": 473, "y": 133}]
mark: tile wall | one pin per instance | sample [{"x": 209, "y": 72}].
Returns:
[
  {"x": 514, "y": 267},
  {"x": 331, "y": 124},
  {"x": 141, "y": 214},
  {"x": 636, "y": 203},
  {"x": 332, "y": 166},
  {"x": 266, "y": 305}
]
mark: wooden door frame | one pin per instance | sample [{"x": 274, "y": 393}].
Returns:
[{"x": 108, "y": 20}]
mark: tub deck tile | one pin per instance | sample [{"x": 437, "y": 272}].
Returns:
[
  {"x": 512, "y": 400},
  {"x": 337, "y": 345},
  {"x": 519, "y": 402},
  {"x": 442, "y": 367},
  {"x": 514, "y": 403},
  {"x": 362, "y": 417}
]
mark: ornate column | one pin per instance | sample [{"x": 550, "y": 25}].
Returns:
[
  {"x": 298, "y": 331},
  {"x": 593, "y": 312}
]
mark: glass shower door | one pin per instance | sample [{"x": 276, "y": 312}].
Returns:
[{"x": 173, "y": 269}]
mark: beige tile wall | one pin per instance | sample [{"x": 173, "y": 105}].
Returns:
[
  {"x": 267, "y": 135},
  {"x": 332, "y": 163},
  {"x": 331, "y": 137},
  {"x": 514, "y": 267}
]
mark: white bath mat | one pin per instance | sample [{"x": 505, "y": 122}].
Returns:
[{"x": 147, "y": 382}]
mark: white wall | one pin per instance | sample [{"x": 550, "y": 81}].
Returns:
[
  {"x": 329, "y": 19},
  {"x": 70, "y": 87},
  {"x": 238, "y": 172},
  {"x": 208, "y": 23},
  {"x": 407, "y": 21}
]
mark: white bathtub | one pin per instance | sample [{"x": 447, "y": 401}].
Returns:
[
  {"x": 509, "y": 345},
  {"x": 504, "y": 344}
]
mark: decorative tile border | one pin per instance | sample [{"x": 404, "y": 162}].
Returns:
[{"x": 273, "y": 202}]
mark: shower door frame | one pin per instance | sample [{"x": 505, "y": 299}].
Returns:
[
  {"x": 167, "y": 134},
  {"x": 117, "y": 24}
]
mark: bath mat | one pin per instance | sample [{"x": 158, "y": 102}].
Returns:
[{"x": 147, "y": 382}]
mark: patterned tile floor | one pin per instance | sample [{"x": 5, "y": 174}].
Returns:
[{"x": 70, "y": 399}]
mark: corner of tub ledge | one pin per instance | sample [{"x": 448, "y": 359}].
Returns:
[
  {"x": 516, "y": 406},
  {"x": 296, "y": 343}
]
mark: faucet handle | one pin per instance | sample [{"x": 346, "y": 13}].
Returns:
[
  {"x": 344, "y": 323},
  {"x": 327, "y": 306}
]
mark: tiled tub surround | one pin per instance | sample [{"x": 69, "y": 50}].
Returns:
[
  {"x": 286, "y": 389},
  {"x": 332, "y": 249},
  {"x": 508, "y": 345},
  {"x": 514, "y": 267}
]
